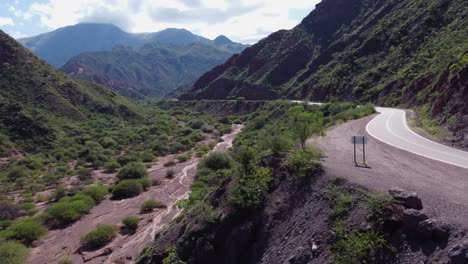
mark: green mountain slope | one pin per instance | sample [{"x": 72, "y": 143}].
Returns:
[
  {"x": 150, "y": 70},
  {"x": 389, "y": 52},
  {"x": 37, "y": 102},
  {"x": 354, "y": 50}
]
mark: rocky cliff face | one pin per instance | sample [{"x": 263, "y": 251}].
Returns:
[{"x": 357, "y": 50}]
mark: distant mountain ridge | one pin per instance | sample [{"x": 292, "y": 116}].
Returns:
[
  {"x": 151, "y": 70},
  {"x": 60, "y": 45}
]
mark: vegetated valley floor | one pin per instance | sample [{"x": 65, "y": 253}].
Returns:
[
  {"x": 125, "y": 247},
  {"x": 442, "y": 187}
]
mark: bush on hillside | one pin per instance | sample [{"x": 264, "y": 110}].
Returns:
[
  {"x": 99, "y": 237},
  {"x": 145, "y": 183},
  {"x": 302, "y": 162},
  {"x": 13, "y": 252},
  {"x": 16, "y": 173},
  {"x": 132, "y": 171},
  {"x": 69, "y": 209},
  {"x": 249, "y": 190},
  {"x": 111, "y": 166},
  {"x": 96, "y": 192},
  {"x": 279, "y": 145},
  {"x": 216, "y": 161},
  {"x": 59, "y": 192},
  {"x": 25, "y": 231},
  {"x": 197, "y": 124},
  {"x": 150, "y": 205},
  {"x": 131, "y": 222},
  {"x": 8, "y": 211},
  {"x": 126, "y": 159},
  {"x": 127, "y": 189}
]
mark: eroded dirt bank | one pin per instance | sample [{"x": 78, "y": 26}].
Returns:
[{"x": 125, "y": 247}]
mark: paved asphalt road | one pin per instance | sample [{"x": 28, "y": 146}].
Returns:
[{"x": 390, "y": 127}]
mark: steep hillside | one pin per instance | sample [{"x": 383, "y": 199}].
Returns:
[
  {"x": 60, "y": 45},
  {"x": 151, "y": 70},
  {"x": 354, "y": 50},
  {"x": 35, "y": 98}
]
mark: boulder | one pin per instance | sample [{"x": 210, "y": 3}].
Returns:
[
  {"x": 458, "y": 254},
  {"x": 393, "y": 216},
  {"x": 408, "y": 199},
  {"x": 433, "y": 229},
  {"x": 412, "y": 218}
]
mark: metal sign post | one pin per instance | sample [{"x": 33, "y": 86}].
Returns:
[{"x": 360, "y": 140}]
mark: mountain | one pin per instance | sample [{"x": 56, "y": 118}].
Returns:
[
  {"x": 405, "y": 52},
  {"x": 38, "y": 102},
  {"x": 357, "y": 49},
  {"x": 150, "y": 70},
  {"x": 60, "y": 45}
]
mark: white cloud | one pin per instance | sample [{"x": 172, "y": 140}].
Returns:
[
  {"x": 6, "y": 21},
  {"x": 17, "y": 34},
  {"x": 241, "y": 20}
]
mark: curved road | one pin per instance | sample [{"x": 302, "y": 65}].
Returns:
[
  {"x": 397, "y": 157},
  {"x": 391, "y": 128}
]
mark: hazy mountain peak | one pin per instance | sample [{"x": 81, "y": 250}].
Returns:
[{"x": 222, "y": 40}]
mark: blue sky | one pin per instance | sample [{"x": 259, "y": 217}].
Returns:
[{"x": 241, "y": 20}]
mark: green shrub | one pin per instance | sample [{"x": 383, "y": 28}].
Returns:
[
  {"x": 150, "y": 205},
  {"x": 132, "y": 171},
  {"x": 98, "y": 193},
  {"x": 172, "y": 257},
  {"x": 246, "y": 157},
  {"x": 250, "y": 189},
  {"x": 13, "y": 252},
  {"x": 59, "y": 192},
  {"x": 99, "y": 237},
  {"x": 84, "y": 173},
  {"x": 8, "y": 210},
  {"x": 225, "y": 120},
  {"x": 33, "y": 163},
  {"x": 28, "y": 207},
  {"x": 340, "y": 201},
  {"x": 111, "y": 166},
  {"x": 216, "y": 161},
  {"x": 303, "y": 162},
  {"x": 126, "y": 159},
  {"x": 207, "y": 129},
  {"x": 25, "y": 231},
  {"x": 356, "y": 247},
  {"x": 5, "y": 223},
  {"x": 279, "y": 145},
  {"x": 127, "y": 189},
  {"x": 145, "y": 183},
  {"x": 185, "y": 157},
  {"x": 131, "y": 222},
  {"x": 147, "y": 157},
  {"x": 108, "y": 142},
  {"x": 197, "y": 124},
  {"x": 69, "y": 209},
  {"x": 16, "y": 173}
]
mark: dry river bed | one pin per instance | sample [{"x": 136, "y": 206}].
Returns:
[{"x": 125, "y": 247}]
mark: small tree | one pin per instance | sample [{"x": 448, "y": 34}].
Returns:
[{"x": 304, "y": 124}]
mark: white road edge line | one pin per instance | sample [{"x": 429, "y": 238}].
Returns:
[
  {"x": 388, "y": 143},
  {"x": 419, "y": 145}
]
